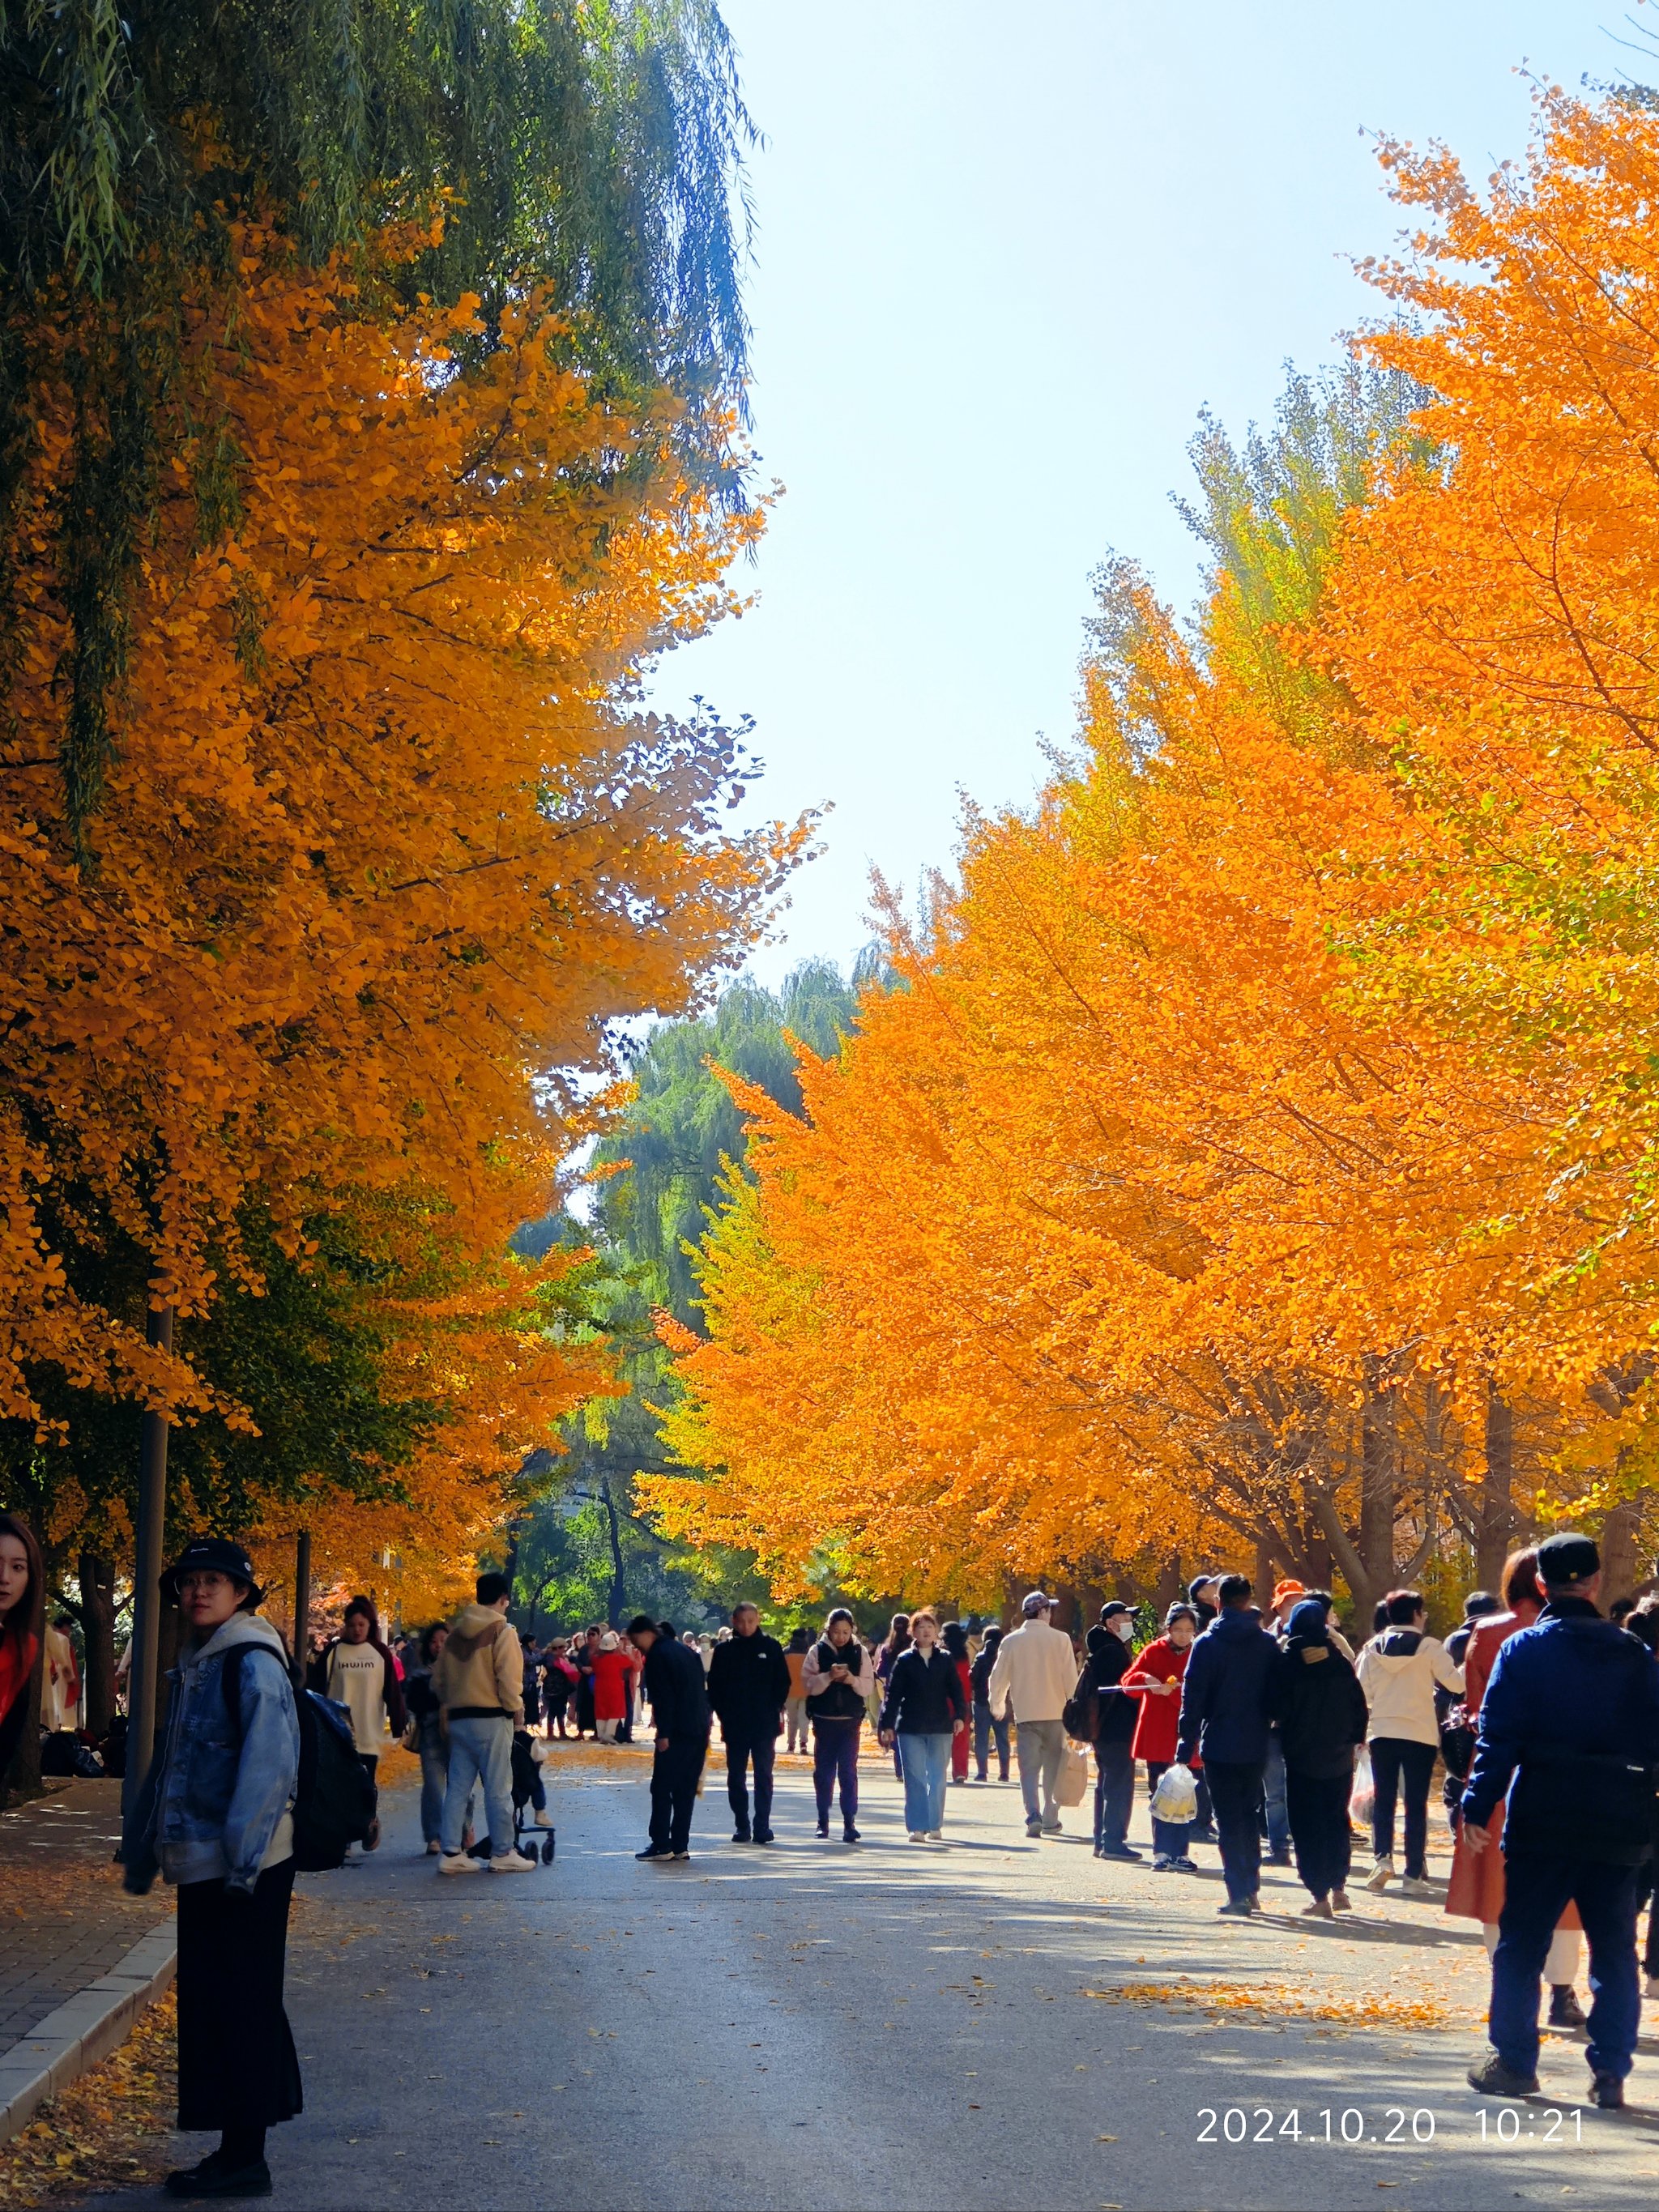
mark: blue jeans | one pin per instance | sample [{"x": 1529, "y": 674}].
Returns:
[
  {"x": 433, "y": 1768},
  {"x": 1115, "y": 1794},
  {"x": 1273, "y": 1787},
  {"x": 480, "y": 1751},
  {"x": 985, "y": 1725},
  {"x": 1536, "y": 1892},
  {"x": 923, "y": 1761},
  {"x": 1171, "y": 1838}
]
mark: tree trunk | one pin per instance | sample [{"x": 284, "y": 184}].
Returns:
[
  {"x": 97, "y": 1577},
  {"x": 1264, "y": 1576},
  {"x": 1620, "y": 1569},
  {"x": 618, "y": 1595},
  {"x": 1378, "y": 1487},
  {"x": 1496, "y": 1524}
]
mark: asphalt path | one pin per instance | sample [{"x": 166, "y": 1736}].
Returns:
[{"x": 823, "y": 2028}]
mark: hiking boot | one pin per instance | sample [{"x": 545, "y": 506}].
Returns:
[
  {"x": 1493, "y": 2079},
  {"x": 1341, "y": 1902},
  {"x": 1566, "y": 2011},
  {"x": 1608, "y": 2091},
  {"x": 1236, "y": 1909},
  {"x": 210, "y": 2180},
  {"x": 459, "y": 1863},
  {"x": 513, "y": 1862},
  {"x": 1380, "y": 1875},
  {"x": 1319, "y": 1910}
]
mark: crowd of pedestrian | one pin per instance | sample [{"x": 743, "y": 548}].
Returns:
[{"x": 1260, "y": 1730}]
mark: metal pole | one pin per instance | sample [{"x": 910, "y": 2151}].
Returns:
[
  {"x": 147, "y": 1575},
  {"x": 301, "y": 1604}
]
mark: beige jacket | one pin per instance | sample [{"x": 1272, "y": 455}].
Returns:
[
  {"x": 1035, "y": 1670},
  {"x": 482, "y": 1665}
]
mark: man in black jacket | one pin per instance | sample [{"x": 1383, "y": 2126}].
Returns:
[
  {"x": 674, "y": 1684},
  {"x": 1110, "y": 1652},
  {"x": 748, "y": 1687}
]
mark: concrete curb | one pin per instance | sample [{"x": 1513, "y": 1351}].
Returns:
[{"x": 86, "y": 2029}]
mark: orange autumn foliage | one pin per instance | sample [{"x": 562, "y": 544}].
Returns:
[
  {"x": 1275, "y": 1101},
  {"x": 386, "y": 842}
]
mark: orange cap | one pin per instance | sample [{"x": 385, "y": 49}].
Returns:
[{"x": 1282, "y": 1590}]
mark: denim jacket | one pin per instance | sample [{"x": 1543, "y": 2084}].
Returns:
[{"x": 218, "y": 1795}]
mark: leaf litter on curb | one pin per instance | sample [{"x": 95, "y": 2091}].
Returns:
[{"x": 108, "y": 2129}]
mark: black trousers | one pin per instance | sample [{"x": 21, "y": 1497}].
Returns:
[
  {"x": 674, "y": 1774},
  {"x": 742, "y": 1744},
  {"x": 1236, "y": 1795},
  {"x": 237, "y": 2064},
  {"x": 1396, "y": 1760},
  {"x": 1320, "y": 1834}
]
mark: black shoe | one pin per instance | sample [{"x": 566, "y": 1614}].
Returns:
[
  {"x": 1204, "y": 1836},
  {"x": 1493, "y": 2079},
  {"x": 851, "y": 1836},
  {"x": 1608, "y": 2091},
  {"x": 1118, "y": 1851},
  {"x": 1566, "y": 2011},
  {"x": 823, "y": 1827},
  {"x": 1278, "y": 1858},
  {"x": 211, "y": 2178},
  {"x": 654, "y": 1851},
  {"x": 741, "y": 1836},
  {"x": 769, "y": 1838}
]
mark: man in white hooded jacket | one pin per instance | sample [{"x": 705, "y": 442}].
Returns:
[{"x": 1036, "y": 1671}]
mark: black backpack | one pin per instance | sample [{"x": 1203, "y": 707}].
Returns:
[
  {"x": 334, "y": 1798},
  {"x": 1080, "y": 1715}
]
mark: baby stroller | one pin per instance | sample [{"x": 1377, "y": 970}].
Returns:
[{"x": 528, "y": 1792}]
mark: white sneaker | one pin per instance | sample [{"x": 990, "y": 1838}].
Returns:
[
  {"x": 936, "y": 1835},
  {"x": 1380, "y": 1875},
  {"x": 543, "y": 1818},
  {"x": 1413, "y": 1885},
  {"x": 917, "y": 1837},
  {"x": 459, "y": 1863},
  {"x": 514, "y": 1863}
]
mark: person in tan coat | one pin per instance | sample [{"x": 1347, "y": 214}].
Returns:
[{"x": 478, "y": 1682}]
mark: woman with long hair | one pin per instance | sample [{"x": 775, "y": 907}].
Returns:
[
  {"x": 22, "y": 1614},
  {"x": 214, "y": 1818},
  {"x": 1475, "y": 1890},
  {"x": 925, "y": 1708}
]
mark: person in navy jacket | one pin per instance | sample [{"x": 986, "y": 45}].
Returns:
[
  {"x": 1569, "y": 1736},
  {"x": 1225, "y": 1697}
]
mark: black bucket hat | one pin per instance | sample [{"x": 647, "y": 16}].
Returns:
[{"x": 218, "y": 1554}]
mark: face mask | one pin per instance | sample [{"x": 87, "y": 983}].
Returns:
[{"x": 1122, "y": 1626}]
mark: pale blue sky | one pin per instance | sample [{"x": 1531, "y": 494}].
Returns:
[{"x": 1004, "y": 257}]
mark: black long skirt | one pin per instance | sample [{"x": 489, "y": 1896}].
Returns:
[{"x": 237, "y": 2064}]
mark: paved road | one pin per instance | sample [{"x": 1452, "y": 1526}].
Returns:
[{"x": 830, "y": 2029}]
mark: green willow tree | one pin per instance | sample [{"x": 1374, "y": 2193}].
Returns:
[{"x": 592, "y": 148}]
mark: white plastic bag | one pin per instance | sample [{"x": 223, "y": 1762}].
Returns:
[
  {"x": 1364, "y": 1796},
  {"x": 1175, "y": 1801},
  {"x": 1072, "y": 1783}
]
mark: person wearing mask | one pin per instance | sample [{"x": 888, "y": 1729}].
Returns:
[
  {"x": 925, "y": 1707},
  {"x": 215, "y": 1819},
  {"x": 897, "y": 1642},
  {"x": 22, "y": 1614},
  {"x": 988, "y": 1720},
  {"x": 1568, "y": 1731},
  {"x": 476, "y": 1681},
  {"x": 748, "y": 1687},
  {"x": 1153, "y": 1681},
  {"x": 1109, "y": 1656},
  {"x": 1224, "y": 1718},
  {"x": 794, "y": 1708},
  {"x": 678, "y": 1688},
  {"x": 954, "y": 1638},
  {"x": 1320, "y": 1710},
  {"x": 1475, "y": 1890},
  {"x": 613, "y": 1686},
  {"x": 1399, "y": 1671},
  {"x": 360, "y": 1674},
  {"x": 1036, "y": 1671},
  {"x": 837, "y": 1678}
]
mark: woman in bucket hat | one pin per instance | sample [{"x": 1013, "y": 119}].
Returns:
[{"x": 215, "y": 1819}]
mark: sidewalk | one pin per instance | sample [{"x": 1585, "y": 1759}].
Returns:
[{"x": 78, "y": 1957}]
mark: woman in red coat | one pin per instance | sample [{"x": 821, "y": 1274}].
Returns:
[
  {"x": 955, "y": 1636},
  {"x": 1475, "y": 1890},
  {"x": 1155, "y": 1679},
  {"x": 613, "y": 1686}
]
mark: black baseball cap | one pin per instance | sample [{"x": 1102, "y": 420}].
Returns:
[
  {"x": 1567, "y": 1559},
  {"x": 1110, "y": 1610},
  {"x": 217, "y": 1553}
]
